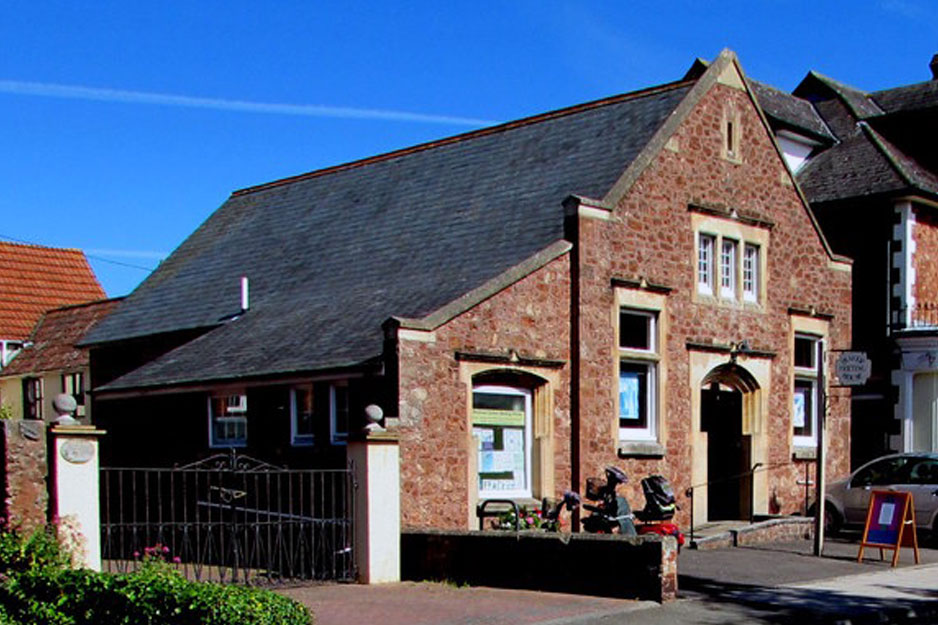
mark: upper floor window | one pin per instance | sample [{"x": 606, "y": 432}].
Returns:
[
  {"x": 728, "y": 268},
  {"x": 705, "y": 244},
  {"x": 638, "y": 373},
  {"x": 228, "y": 420},
  {"x": 301, "y": 415},
  {"x": 74, "y": 384},
  {"x": 32, "y": 398},
  {"x": 751, "y": 273},
  {"x": 806, "y": 396}
]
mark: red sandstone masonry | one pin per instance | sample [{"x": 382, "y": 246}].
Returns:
[
  {"x": 650, "y": 236},
  {"x": 925, "y": 261},
  {"x": 530, "y": 318},
  {"x": 24, "y": 470}
]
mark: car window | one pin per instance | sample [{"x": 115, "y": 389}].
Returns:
[
  {"x": 924, "y": 472},
  {"x": 881, "y": 473}
]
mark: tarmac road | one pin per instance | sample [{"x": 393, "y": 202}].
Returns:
[{"x": 770, "y": 584}]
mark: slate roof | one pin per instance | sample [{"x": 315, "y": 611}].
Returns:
[
  {"x": 790, "y": 110},
  {"x": 333, "y": 254},
  {"x": 53, "y": 341},
  {"x": 917, "y": 97},
  {"x": 34, "y": 279},
  {"x": 869, "y": 129}
]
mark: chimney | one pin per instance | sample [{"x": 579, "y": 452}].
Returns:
[
  {"x": 245, "y": 300},
  {"x": 934, "y": 67}
]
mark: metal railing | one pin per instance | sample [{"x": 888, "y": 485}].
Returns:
[{"x": 230, "y": 518}]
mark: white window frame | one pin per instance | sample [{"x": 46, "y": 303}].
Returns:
[
  {"x": 647, "y": 358},
  {"x": 235, "y": 415},
  {"x": 37, "y": 385},
  {"x": 297, "y": 439},
  {"x": 706, "y": 244},
  {"x": 751, "y": 272},
  {"x": 337, "y": 436},
  {"x": 807, "y": 375},
  {"x": 528, "y": 441},
  {"x": 728, "y": 267}
]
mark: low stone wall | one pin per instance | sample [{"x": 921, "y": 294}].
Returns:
[
  {"x": 23, "y": 468},
  {"x": 643, "y": 567},
  {"x": 772, "y": 531}
]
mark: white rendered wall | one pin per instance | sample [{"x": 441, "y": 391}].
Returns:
[
  {"x": 377, "y": 509},
  {"x": 76, "y": 488}
]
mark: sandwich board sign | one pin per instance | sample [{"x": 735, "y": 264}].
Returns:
[{"x": 890, "y": 524}]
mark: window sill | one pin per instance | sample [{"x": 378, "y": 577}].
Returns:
[
  {"x": 640, "y": 449},
  {"x": 804, "y": 453}
]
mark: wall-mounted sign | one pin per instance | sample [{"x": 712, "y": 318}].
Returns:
[
  {"x": 853, "y": 368},
  {"x": 504, "y": 418}
]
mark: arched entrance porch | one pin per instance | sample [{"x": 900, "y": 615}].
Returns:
[{"x": 729, "y": 443}]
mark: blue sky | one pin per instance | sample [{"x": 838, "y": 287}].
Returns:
[{"x": 124, "y": 125}]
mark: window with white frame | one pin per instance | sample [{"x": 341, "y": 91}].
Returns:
[
  {"x": 339, "y": 413},
  {"x": 638, "y": 372},
  {"x": 705, "y": 245},
  {"x": 501, "y": 423},
  {"x": 32, "y": 398},
  {"x": 228, "y": 420},
  {"x": 74, "y": 384},
  {"x": 301, "y": 415},
  {"x": 751, "y": 273},
  {"x": 806, "y": 405},
  {"x": 728, "y": 268}
]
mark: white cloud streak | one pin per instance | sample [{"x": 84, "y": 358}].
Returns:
[
  {"x": 78, "y": 92},
  {"x": 148, "y": 254}
]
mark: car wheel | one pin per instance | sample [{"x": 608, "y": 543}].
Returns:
[{"x": 833, "y": 522}]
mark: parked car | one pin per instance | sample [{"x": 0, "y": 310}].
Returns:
[{"x": 916, "y": 473}]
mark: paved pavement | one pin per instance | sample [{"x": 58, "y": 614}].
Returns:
[{"x": 771, "y": 584}]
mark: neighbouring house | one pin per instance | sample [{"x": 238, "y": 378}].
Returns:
[
  {"x": 634, "y": 281},
  {"x": 866, "y": 162},
  {"x": 34, "y": 279},
  {"x": 51, "y": 363}
]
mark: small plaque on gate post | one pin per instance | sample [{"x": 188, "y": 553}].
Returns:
[{"x": 77, "y": 451}]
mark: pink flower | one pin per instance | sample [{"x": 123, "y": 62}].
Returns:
[
  {"x": 136, "y": 554},
  {"x": 165, "y": 549},
  {"x": 177, "y": 559}
]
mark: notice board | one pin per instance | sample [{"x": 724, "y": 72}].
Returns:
[{"x": 890, "y": 524}]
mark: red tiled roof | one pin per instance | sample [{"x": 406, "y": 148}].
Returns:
[
  {"x": 54, "y": 338},
  {"x": 34, "y": 279}
]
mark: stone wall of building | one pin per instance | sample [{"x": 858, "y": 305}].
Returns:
[
  {"x": 925, "y": 261},
  {"x": 24, "y": 469},
  {"x": 650, "y": 236},
  {"x": 527, "y": 321}
]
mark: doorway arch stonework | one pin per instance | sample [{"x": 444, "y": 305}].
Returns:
[{"x": 751, "y": 378}]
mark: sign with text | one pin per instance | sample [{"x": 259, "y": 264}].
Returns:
[
  {"x": 853, "y": 368},
  {"x": 890, "y": 524}
]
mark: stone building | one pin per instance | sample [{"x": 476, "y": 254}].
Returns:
[
  {"x": 634, "y": 281},
  {"x": 866, "y": 163}
]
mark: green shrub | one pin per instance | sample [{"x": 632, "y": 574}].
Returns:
[{"x": 37, "y": 585}]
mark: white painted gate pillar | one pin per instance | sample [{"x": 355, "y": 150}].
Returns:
[
  {"x": 375, "y": 460},
  {"x": 76, "y": 499}
]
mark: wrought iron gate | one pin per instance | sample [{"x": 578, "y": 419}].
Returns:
[{"x": 230, "y": 518}]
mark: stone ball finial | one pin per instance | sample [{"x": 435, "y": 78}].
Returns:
[
  {"x": 65, "y": 407},
  {"x": 373, "y": 415}
]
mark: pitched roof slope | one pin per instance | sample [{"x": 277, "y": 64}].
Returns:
[
  {"x": 332, "y": 254},
  {"x": 34, "y": 279},
  {"x": 53, "y": 340},
  {"x": 790, "y": 110}
]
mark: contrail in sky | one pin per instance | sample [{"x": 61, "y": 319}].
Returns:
[{"x": 78, "y": 92}]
